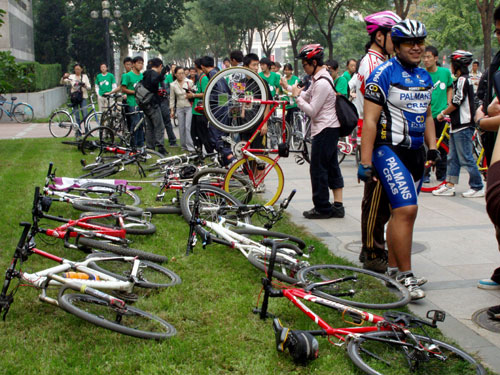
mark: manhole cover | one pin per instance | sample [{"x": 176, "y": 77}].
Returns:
[
  {"x": 482, "y": 319},
  {"x": 355, "y": 247}
]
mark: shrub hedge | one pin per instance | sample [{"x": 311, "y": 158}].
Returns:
[{"x": 40, "y": 77}]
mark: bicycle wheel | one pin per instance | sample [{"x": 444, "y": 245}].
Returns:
[
  {"x": 149, "y": 275},
  {"x": 132, "y": 225},
  {"x": 148, "y": 159},
  {"x": 127, "y": 320},
  {"x": 378, "y": 353},
  {"x": 164, "y": 210},
  {"x": 121, "y": 250},
  {"x": 222, "y": 99},
  {"x": 433, "y": 183},
  {"x": 23, "y": 113},
  {"x": 211, "y": 199},
  {"x": 368, "y": 289},
  {"x": 60, "y": 124},
  {"x": 239, "y": 186},
  {"x": 258, "y": 171},
  {"x": 1, "y": 113},
  {"x": 97, "y": 139},
  {"x": 264, "y": 233},
  {"x": 93, "y": 121},
  {"x": 340, "y": 154},
  {"x": 102, "y": 190},
  {"x": 101, "y": 171},
  {"x": 96, "y": 205}
]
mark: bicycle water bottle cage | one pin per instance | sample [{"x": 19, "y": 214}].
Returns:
[{"x": 283, "y": 150}]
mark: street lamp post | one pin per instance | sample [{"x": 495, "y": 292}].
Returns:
[{"x": 106, "y": 15}]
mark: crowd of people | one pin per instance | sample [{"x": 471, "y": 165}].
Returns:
[{"x": 404, "y": 100}]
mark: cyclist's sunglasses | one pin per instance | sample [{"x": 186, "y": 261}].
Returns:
[{"x": 412, "y": 43}]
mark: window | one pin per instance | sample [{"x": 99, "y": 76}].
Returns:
[{"x": 285, "y": 36}]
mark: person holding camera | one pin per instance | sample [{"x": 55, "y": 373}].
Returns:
[
  {"x": 80, "y": 85},
  {"x": 155, "y": 129},
  {"x": 180, "y": 105}
]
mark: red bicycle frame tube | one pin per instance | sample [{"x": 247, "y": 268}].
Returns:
[
  {"x": 60, "y": 232},
  {"x": 295, "y": 294},
  {"x": 47, "y": 255}
]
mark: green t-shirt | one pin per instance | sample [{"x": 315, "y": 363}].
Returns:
[
  {"x": 273, "y": 81},
  {"x": 169, "y": 78},
  {"x": 202, "y": 85},
  {"x": 129, "y": 80},
  {"x": 105, "y": 83},
  {"x": 292, "y": 81},
  {"x": 341, "y": 85},
  {"x": 441, "y": 79},
  {"x": 347, "y": 76}
]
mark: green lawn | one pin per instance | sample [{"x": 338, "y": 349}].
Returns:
[{"x": 211, "y": 309}]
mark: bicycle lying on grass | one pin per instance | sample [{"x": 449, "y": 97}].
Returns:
[
  {"x": 98, "y": 271},
  {"x": 391, "y": 345}
]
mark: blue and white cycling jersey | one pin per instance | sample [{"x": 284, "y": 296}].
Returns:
[{"x": 405, "y": 94}]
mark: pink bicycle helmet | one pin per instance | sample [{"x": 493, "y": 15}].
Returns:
[{"x": 381, "y": 20}]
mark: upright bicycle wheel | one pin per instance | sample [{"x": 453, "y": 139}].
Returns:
[
  {"x": 23, "y": 113},
  {"x": 211, "y": 198},
  {"x": 265, "y": 175},
  {"x": 127, "y": 320},
  {"x": 275, "y": 133},
  {"x": 96, "y": 139},
  {"x": 101, "y": 190},
  {"x": 239, "y": 186},
  {"x": 149, "y": 275},
  {"x": 383, "y": 353},
  {"x": 93, "y": 121},
  {"x": 223, "y": 95},
  {"x": 60, "y": 124},
  {"x": 356, "y": 286}
]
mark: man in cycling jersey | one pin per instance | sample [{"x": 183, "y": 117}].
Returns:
[
  {"x": 397, "y": 121},
  {"x": 374, "y": 214}
]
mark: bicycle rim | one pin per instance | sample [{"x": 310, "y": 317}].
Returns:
[
  {"x": 381, "y": 357},
  {"x": 96, "y": 139},
  {"x": 93, "y": 121},
  {"x": 239, "y": 186},
  {"x": 222, "y": 95},
  {"x": 371, "y": 290},
  {"x": 60, "y": 124},
  {"x": 268, "y": 177}
]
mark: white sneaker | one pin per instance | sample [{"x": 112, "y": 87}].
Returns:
[
  {"x": 445, "y": 191},
  {"x": 411, "y": 284},
  {"x": 419, "y": 280},
  {"x": 471, "y": 193}
]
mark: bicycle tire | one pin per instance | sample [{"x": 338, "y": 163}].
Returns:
[
  {"x": 121, "y": 250},
  {"x": 72, "y": 143},
  {"x": 92, "y": 121},
  {"x": 239, "y": 187},
  {"x": 274, "y": 133},
  {"x": 163, "y": 210},
  {"x": 244, "y": 167},
  {"x": 132, "y": 225},
  {"x": 220, "y": 99},
  {"x": 60, "y": 124},
  {"x": 433, "y": 183},
  {"x": 287, "y": 271},
  {"x": 372, "y": 356},
  {"x": 148, "y": 160},
  {"x": 151, "y": 275},
  {"x": 23, "y": 113},
  {"x": 373, "y": 290},
  {"x": 269, "y": 234},
  {"x": 306, "y": 149},
  {"x": 211, "y": 199},
  {"x": 94, "y": 205},
  {"x": 97, "y": 139},
  {"x": 1, "y": 113},
  {"x": 102, "y": 190},
  {"x": 82, "y": 305}
]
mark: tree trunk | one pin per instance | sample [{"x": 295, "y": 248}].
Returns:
[
  {"x": 402, "y": 9},
  {"x": 486, "y": 9}
]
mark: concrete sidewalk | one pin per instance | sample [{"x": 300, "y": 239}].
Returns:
[
  {"x": 14, "y": 130},
  {"x": 454, "y": 246}
]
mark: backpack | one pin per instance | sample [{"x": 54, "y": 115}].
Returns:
[
  {"x": 347, "y": 113},
  {"x": 143, "y": 96}
]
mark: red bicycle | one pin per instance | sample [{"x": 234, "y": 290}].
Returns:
[
  {"x": 395, "y": 343},
  {"x": 89, "y": 233}
]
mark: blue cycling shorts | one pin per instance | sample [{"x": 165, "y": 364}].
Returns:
[{"x": 401, "y": 181}]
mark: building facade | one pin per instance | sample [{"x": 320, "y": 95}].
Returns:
[{"x": 17, "y": 30}]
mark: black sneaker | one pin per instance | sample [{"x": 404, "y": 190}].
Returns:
[
  {"x": 313, "y": 214},
  {"x": 374, "y": 261},
  {"x": 338, "y": 211},
  {"x": 494, "y": 312},
  {"x": 162, "y": 151}
]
